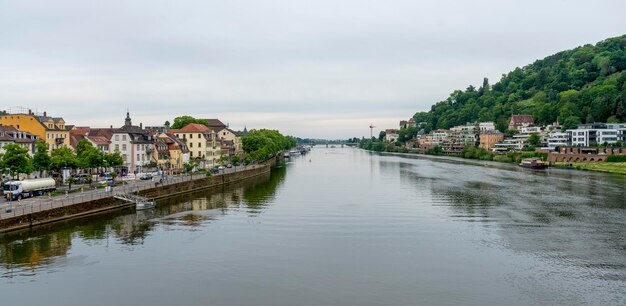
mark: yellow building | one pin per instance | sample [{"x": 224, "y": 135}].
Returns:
[
  {"x": 203, "y": 144},
  {"x": 233, "y": 141},
  {"x": 52, "y": 130},
  {"x": 177, "y": 152}
]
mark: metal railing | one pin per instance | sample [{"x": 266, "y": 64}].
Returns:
[{"x": 12, "y": 209}]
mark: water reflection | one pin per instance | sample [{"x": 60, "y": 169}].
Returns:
[
  {"x": 570, "y": 218},
  {"x": 25, "y": 253}
]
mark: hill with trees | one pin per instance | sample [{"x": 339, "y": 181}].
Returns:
[{"x": 582, "y": 85}]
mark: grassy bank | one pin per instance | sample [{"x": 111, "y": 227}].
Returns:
[{"x": 618, "y": 168}]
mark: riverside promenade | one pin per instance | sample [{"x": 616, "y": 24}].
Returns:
[{"x": 45, "y": 209}]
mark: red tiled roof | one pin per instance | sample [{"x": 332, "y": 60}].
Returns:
[
  {"x": 215, "y": 123},
  {"x": 79, "y": 131},
  {"x": 517, "y": 119},
  {"x": 105, "y": 132},
  {"x": 99, "y": 140},
  {"x": 192, "y": 128}
]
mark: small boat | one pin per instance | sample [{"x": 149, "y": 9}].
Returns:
[
  {"x": 145, "y": 205},
  {"x": 533, "y": 163}
]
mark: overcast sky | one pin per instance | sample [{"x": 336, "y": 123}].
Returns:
[{"x": 322, "y": 69}]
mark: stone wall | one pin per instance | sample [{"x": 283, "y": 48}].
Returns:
[
  {"x": 91, "y": 207},
  {"x": 568, "y": 158}
]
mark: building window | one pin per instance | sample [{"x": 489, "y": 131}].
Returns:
[
  {"x": 191, "y": 144},
  {"x": 199, "y": 136},
  {"x": 117, "y": 147},
  {"x": 190, "y": 136},
  {"x": 137, "y": 157},
  {"x": 123, "y": 137},
  {"x": 124, "y": 147},
  {"x": 117, "y": 137},
  {"x": 190, "y": 154}
]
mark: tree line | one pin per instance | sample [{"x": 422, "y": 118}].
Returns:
[
  {"x": 582, "y": 85},
  {"x": 16, "y": 159},
  {"x": 262, "y": 144}
]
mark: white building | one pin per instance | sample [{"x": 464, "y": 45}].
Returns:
[
  {"x": 439, "y": 137},
  {"x": 598, "y": 133},
  {"x": 134, "y": 144},
  {"x": 391, "y": 135},
  {"x": 558, "y": 139}
]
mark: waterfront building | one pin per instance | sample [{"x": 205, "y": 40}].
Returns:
[
  {"x": 597, "y": 133},
  {"x": 215, "y": 124},
  {"x": 489, "y": 139},
  {"x": 10, "y": 135},
  {"x": 439, "y": 136},
  {"x": 202, "y": 142},
  {"x": 134, "y": 144},
  {"x": 558, "y": 139},
  {"x": 50, "y": 129},
  {"x": 159, "y": 129},
  {"x": 463, "y": 135},
  {"x": 412, "y": 122},
  {"x": 231, "y": 141},
  {"x": 102, "y": 143},
  {"x": 391, "y": 135},
  {"x": 177, "y": 152},
  {"x": 426, "y": 141},
  {"x": 519, "y": 121}
]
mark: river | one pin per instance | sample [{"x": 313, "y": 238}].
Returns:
[{"x": 342, "y": 226}]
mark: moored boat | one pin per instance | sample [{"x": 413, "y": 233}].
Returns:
[
  {"x": 145, "y": 205},
  {"x": 533, "y": 163}
]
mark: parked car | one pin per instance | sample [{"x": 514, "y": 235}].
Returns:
[
  {"x": 145, "y": 176},
  {"x": 82, "y": 178},
  {"x": 106, "y": 182},
  {"x": 220, "y": 168},
  {"x": 215, "y": 169}
]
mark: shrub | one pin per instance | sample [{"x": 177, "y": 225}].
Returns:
[{"x": 616, "y": 159}]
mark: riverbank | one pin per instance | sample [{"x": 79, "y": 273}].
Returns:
[
  {"x": 49, "y": 213},
  {"x": 604, "y": 167}
]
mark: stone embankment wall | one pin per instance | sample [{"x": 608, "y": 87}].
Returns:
[
  {"x": 92, "y": 207},
  {"x": 583, "y": 154}
]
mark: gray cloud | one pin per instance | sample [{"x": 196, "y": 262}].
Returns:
[{"x": 308, "y": 68}]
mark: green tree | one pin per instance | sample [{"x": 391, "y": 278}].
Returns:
[
  {"x": 64, "y": 158},
  {"x": 17, "y": 160},
  {"x": 89, "y": 156},
  {"x": 41, "y": 159},
  {"x": 570, "y": 123},
  {"x": 70, "y": 180},
  {"x": 262, "y": 144},
  {"x": 567, "y": 86},
  {"x": 534, "y": 140},
  {"x": 114, "y": 159},
  {"x": 180, "y": 122}
]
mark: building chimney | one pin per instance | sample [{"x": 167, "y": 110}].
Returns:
[
  {"x": 111, "y": 126},
  {"x": 140, "y": 125},
  {"x": 30, "y": 112},
  {"x": 45, "y": 114}
]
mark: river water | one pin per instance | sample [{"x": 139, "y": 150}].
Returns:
[{"x": 342, "y": 226}]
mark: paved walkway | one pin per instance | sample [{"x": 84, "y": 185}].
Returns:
[{"x": 10, "y": 209}]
